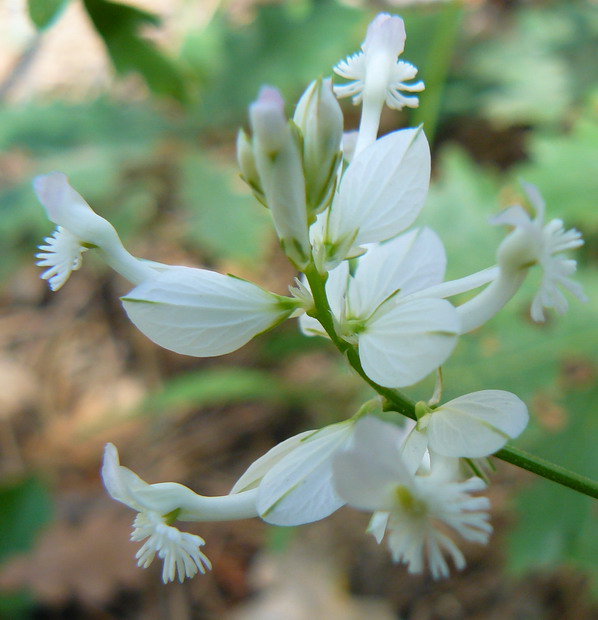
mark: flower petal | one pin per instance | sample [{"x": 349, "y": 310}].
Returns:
[
  {"x": 477, "y": 424},
  {"x": 202, "y": 313},
  {"x": 366, "y": 474},
  {"x": 409, "y": 263},
  {"x": 382, "y": 191},
  {"x": 400, "y": 346},
  {"x": 299, "y": 489},
  {"x": 257, "y": 470}
]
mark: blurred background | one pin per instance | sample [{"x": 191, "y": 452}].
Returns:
[{"x": 139, "y": 103}]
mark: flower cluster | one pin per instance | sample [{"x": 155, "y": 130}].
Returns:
[{"x": 371, "y": 283}]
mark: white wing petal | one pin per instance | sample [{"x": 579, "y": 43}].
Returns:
[
  {"x": 383, "y": 190},
  {"x": 400, "y": 346},
  {"x": 299, "y": 489},
  {"x": 409, "y": 263},
  {"x": 258, "y": 469},
  {"x": 201, "y": 313},
  {"x": 477, "y": 424}
]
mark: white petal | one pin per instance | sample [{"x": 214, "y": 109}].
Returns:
[
  {"x": 164, "y": 497},
  {"x": 414, "y": 449},
  {"x": 402, "y": 345},
  {"x": 62, "y": 254},
  {"x": 120, "y": 482},
  {"x": 299, "y": 489},
  {"x": 201, "y": 313},
  {"x": 67, "y": 208},
  {"x": 258, "y": 469},
  {"x": 377, "y": 525},
  {"x": 367, "y": 474},
  {"x": 385, "y": 35},
  {"x": 383, "y": 189},
  {"x": 409, "y": 263},
  {"x": 511, "y": 216},
  {"x": 476, "y": 425}
]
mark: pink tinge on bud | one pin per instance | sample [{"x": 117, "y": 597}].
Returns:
[
  {"x": 270, "y": 96},
  {"x": 50, "y": 190},
  {"x": 268, "y": 121},
  {"x": 385, "y": 34}
]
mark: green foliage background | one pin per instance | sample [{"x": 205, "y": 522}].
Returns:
[{"x": 532, "y": 77}]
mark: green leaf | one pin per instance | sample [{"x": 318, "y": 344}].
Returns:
[
  {"x": 119, "y": 25},
  {"x": 224, "y": 219},
  {"x": 44, "y": 12},
  {"x": 282, "y": 46},
  {"x": 214, "y": 387},
  {"x": 25, "y": 506},
  {"x": 556, "y": 524},
  {"x": 16, "y": 606}
]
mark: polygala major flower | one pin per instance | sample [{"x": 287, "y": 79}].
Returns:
[
  {"x": 294, "y": 479},
  {"x": 372, "y": 285},
  {"x": 78, "y": 228},
  {"x": 470, "y": 426},
  {"x": 417, "y": 512},
  {"x": 401, "y": 333},
  {"x": 180, "y": 551},
  {"x": 379, "y": 196},
  {"x": 190, "y": 311},
  {"x": 159, "y": 506},
  {"x": 545, "y": 242},
  {"x": 532, "y": 242},
  {"x": 377, "y": 76}
]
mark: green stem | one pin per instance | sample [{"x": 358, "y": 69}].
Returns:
[
  {"x": 393, "y": 400},
  {"x": 548, "y": 470}
]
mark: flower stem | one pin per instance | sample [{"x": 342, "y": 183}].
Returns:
[{"x": 393, "y": 400}]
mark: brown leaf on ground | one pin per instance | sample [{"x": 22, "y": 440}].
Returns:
[{"x": 89, "y": 562}]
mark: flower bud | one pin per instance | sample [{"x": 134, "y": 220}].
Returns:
[
  {"x": 320, "y": 119},
  {"x": 246, "y": 161},
  {"x": 279, "y": 165}
]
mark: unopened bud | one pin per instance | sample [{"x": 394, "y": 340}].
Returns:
[
  {"x": 320, "y": 119},
  {"x": 277, "y": 156},
  {"x": 246, "y": 161}
]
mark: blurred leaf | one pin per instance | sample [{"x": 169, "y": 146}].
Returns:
[
  {"x": 24, "y": 508},
  {"x": 57, "y": 127},
  {"x": 43, "y": 12},
  {"x": 223, "y": 219},
  {"x": 16, "y": 606},
  {"x": 528, "y": 68},
  {"x": 461, "y": 198},
  {"x": 563, "y": 166},
  {"x": 557, "y": 524},
  {"x": 214, "y": 387},
  {"x": 283, "y": 46},
  {"x": 119, "y": 25}
]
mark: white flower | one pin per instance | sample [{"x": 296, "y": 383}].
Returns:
[
  {"x": 530, "y": 243},
  {"x": 371, "y": 475},
  {"x": 62, "y": 254},
  {"x": 294, "y": 479},
  {"x": 78, "y": 228},
  {"x": 377, "y": 66},
  {"x": 402, "y": 334},
  {"x": 377, "y": 75},
  {"x": 533, "y": 241},
  {"x": 179, "y": 550},
  {"x": 379, "y": 196},
  {"x": 203, "y": 313},
  {"x": 471, "y": 426}
]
